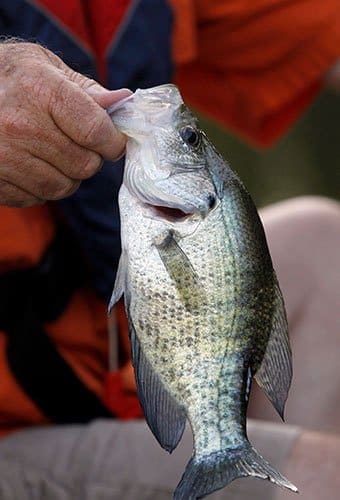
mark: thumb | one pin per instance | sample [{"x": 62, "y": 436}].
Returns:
[
  {"x": 81, "y": 115},
  {"x": 105, "y": 97},
  {"x": 102, "y": 96},
  {"x": 99, "y": 94}
]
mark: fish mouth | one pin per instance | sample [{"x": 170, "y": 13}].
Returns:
[
  {"x": 175, "y": 214},
  {"x": 169, "y": 213}
]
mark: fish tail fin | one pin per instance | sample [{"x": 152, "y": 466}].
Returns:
[{"x": 209, "y": 473}]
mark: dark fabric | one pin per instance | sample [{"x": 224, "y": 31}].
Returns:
[
  {"x": 28, "y": 299},
  {"x": 93, "y": 215},
  {"x": 138, "y": 56},
  {"x": 26, "y": 20}
]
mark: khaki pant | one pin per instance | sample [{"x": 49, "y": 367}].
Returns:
[{"x": 114, "y": 461}]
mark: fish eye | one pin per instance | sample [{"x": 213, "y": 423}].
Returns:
[{"x": 190, "y": 136}]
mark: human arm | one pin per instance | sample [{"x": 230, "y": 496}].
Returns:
[{"x": 54, "y": 130}]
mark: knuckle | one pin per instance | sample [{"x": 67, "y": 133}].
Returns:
[
  {"x": 12, "y": 196},
  {"x": 44, "y": 87},
  {"x": 3, "y": 189},
  {"x": 60, "y": 103},
  {"x": 15, "y": 123},
  {"x": 94, "y": 131},
  {"x": 81, "y": 80},
  {"x": 5, "y": 156},
  {"x": 62, "y": 189},
  {"x": 59, "y": 92},
  {"x": 80, "y": 163},
  {"x": 35, "y": 84},
  {"x": 90, "y": 166},
  {"x": 45, "y": 184},
  {"x": 28, "y": 82},
  {"x": 27, "y": 200}
]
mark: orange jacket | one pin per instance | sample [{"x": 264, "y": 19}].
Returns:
[
  {"x": 80, "y": 334},
  {"x": 254, "y": 65}
]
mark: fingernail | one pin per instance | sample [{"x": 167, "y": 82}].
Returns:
[
  {"x": 120, "y": 155},
  {"x": 121, "y": 93},
  {"x": 106, "y": 98},
  {"x": 118, "y": 104}
]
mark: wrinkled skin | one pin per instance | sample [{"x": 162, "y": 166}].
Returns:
[{"x": 54, "y": 131}]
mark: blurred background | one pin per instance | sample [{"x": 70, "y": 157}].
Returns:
[
  {"x": 248, "y": 60},
  {"x": 305, "y": 161}
]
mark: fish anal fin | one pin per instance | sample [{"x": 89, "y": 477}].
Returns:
[
  {"x": 165, "y": 417},
  {"x": 275, "y": 372}
]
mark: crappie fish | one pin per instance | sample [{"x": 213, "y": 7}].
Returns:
[{"x": 205, "y": 311}]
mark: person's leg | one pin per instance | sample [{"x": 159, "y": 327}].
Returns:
[
  {"x": 304, "y": 240},
  {"x": 313, "y": 466},
  {"x": 105, "y": 460},
  {"x": 118, "y": 461}
]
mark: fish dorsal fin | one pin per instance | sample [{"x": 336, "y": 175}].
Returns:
[
  {"x": 181, "y": 271},
  {"x": 275, "y": 372},
  {"x": 165, "y": 417},
  {"x": 119, "y": 286}
]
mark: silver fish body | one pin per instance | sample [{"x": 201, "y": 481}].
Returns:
[{"x": 205, "y": 310}]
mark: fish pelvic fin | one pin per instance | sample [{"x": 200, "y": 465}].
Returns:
[
  {"x": 119, "y": 286},
  {"x": 209, "y": 473},
  {"x": 275, "y": 372}
]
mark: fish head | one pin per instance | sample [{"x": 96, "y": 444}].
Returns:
[{"x": 166, "y": 166}]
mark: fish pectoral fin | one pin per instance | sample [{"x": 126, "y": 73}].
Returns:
[
  {"x": 165, "y": 417},
  {"x": 119, "y": 286},
  {"x": 275, "y": 372},
  {"x": 181, "y": 271}
]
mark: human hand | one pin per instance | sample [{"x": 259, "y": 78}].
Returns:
[{"x": 54, "y": 130}]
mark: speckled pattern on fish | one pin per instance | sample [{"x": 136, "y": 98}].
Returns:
[{"x": 205, "y": 310}]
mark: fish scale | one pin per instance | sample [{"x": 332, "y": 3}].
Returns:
[
  {"x": 205, "y": 310},
  {"x": 165, "y": 311}
]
